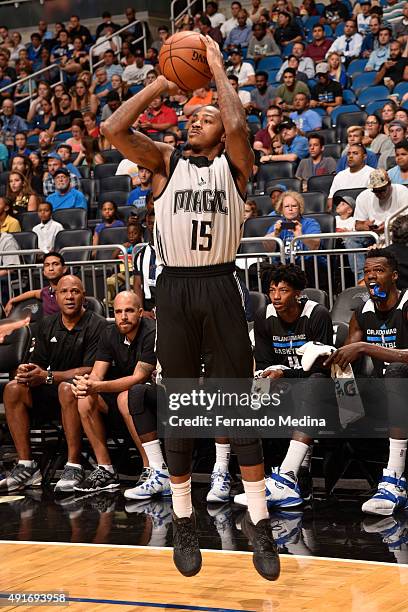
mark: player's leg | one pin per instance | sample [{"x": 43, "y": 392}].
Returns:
[
  {"x": 17, "y": 402},
  {"x": 392, "y": 488},
  {"x": 228, "y": 355},
  {"x": 73, "y": 473},
  {"x": 91, "y": 408},
  {"x": 178, "y": 349},
  {"x": 138, "y": 407},
  {"x": 220, "y": 489}
]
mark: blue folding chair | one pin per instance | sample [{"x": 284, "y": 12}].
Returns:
[
  {"x": 310, "y": 22},
  {"x": 356, "y": 67},
  {"x": 320, "y": 7},
  {"x": 273, "y": 62},
  {"x": 349, "y": 97},
  {"x": 339, "y": 31},
  {"x": 343, "y": 108},
  {"x": 272, "y": 74},
  {"x": 372, "y": 107},
  {"x": 372, "y": 94},
  {"x": 362, "y": 81},
  {"x": 401, "y": 89}
]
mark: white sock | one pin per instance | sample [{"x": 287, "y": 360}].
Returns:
[
  {"x": 255, "y": 492},
  {"x": 294, "y": 457},
  {"x": 182, "y": 505},
  {"x": 109, "y": 468},
  {"x": 398, "y": 452},
  {"x": 75, "y": 465},
  {"x": 307, "y": 461},
  {"x": 222, "y": 457},
  {"x": 154, "y": 454},
  {"x": 26, "y": 463}
]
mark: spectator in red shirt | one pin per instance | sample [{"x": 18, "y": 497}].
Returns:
[
  {"x": 264, "y": 137},
  {"x": 157, "y": 118},
  {"x": 318, "y": 48}
]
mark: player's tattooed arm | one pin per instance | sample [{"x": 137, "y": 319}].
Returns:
[
  {"x": 232, "y": 114},
  {"x": 138, "y": 147}
]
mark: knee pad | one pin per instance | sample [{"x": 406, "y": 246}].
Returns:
[
  {"x": 248, "y": 451},
  {"x": 179, "y": 452},
  {"x": 142, "y": 402}
]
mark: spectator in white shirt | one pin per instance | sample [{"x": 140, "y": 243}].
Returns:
[
  {"x": 47, "y": 229},
  {"x": 356, "y": 175},
  {"x": 103, "y": 44},
  {"x": 348, "y": 45},
  {"x": 136, "y": 70},
  {"x": 216, "y": 18},
  {"x": 306, "y": 64},
  {"x": 232, "y": 22},
  {"x": 243, "y": 70},
  {"x": 364, "y": 18}
]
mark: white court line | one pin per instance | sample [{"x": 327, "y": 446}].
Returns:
[{"x": 209, "y": 550}]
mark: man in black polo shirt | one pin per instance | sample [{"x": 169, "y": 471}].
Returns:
[
  {"x": 395, "y": 69},
  {"x": 65, "y": 347},
  {"x": 129, "y": 346}
]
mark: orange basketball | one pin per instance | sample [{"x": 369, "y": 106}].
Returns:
[{"x": 183, "y": 60}]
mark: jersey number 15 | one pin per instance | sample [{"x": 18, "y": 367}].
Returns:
[{"x": 204, "y": 232}]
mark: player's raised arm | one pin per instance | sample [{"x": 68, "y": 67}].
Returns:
[
  {"x": 232, "y": 114},
  {"x": 136, "y": 146}
]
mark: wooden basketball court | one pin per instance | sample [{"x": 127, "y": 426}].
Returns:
[{"x": 102, "y": 578}]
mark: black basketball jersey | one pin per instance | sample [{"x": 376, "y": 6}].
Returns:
[
  {"x": 276, "y": 341},
  {"x": 387, "y": 329}
]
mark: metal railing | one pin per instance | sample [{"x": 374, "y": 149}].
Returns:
[
  {"x": 329, "y": 254},
  {"x": 389, "y": 220},
  {"x": 249, "y": 259},
  {"x": 143, "y": 37},
  {"x": 31, "y": 82},
  {"x": 93, "y": 273},
  {"x": 185, "y": 11}
]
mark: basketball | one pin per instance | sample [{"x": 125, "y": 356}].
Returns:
[{"x": 183, "y": 61}]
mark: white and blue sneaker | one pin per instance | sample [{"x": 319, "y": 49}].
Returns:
[
  {"x": 220, "y": 490},
  {"x": 286, "y": 527},
  {"x": 158, "y": 483},
  {"x": 282, "y": 491},
  {"x": 391, "y": 495}
]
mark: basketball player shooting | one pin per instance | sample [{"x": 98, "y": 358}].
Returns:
[{"x": 199, "y": 205}]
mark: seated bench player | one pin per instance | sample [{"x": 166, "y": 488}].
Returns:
[{"x": 65, "y": 347}]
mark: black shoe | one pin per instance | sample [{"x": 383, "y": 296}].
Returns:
[
  {"x": 305, "y": 483},
  {"x": 265, "y": 558},
  {"x": 186, "y": 554}
]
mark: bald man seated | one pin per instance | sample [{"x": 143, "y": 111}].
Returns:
[
  {"x": 125, "y": 361},
  {"x": 65, "y": 347}
]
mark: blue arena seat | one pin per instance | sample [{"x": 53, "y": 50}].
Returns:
[
  {"x": 401, "y": 89},
  {"x": 371, "y": 94},
  {"x": 273, "y": 62},
  {"x": 372, "y": 107},
  {"x": 343, "y": 108},
  {"x": 363, "y": 80},
  {"x": 349, "y": 97},
  {"x": 356, "y": 67}
]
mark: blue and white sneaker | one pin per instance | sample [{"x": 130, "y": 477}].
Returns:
[
  {"x": 158, "y": 483},
  {"x": 282, "y": 491},
  {"x": 286, "y": 527},
  {"x": 391, "y": 495},
  {"x": 394, "y": 531},
  {"x": 220, "y": 487}
]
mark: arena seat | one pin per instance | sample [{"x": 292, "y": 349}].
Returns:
[
  {"x": 112, "y": 156},
  {"x": 353, "y": 193},
  {"x": 315, "y": 202},
  {"x": 371, "y": 94},
  {"x": 363, "y": 80},
  {"x": 71, "y": 218},
  {"x": 89, "y": 188},
  {"x": 347, "y": 302},
  {"x": 74, "y": 237},
  {"x": 329, "y": 135},
  {"x": 274, "y": 170},
  {"x": 105, "y": 170},
  {"x": 116, "y": 183},
  {"x": 340, "y": 333},
  {"x": 356, "y": 66},
  {"x": 345, "y": 120},
  {"x": 128, "y": 211},
  {"x": 93, "y": 304},
  {"x": 375, "y": 106},
  {"x": 119, "y": 197},
  {"x": 28, "y": 220},
  {"x": 14, "y": 349},
  {"x": 32, "y": 305},
  {"x": 84, "y": 171},
  {"x": 111, "y": 235},
  {"x": 272, "y": 62},
  {"x": 320, "y": 183},
  {"x": 258, "y": 301},
  {"x": 341, "y": 110},
  {"x": 316, "y": 295},
  {"x": 27, "y": 241},
  {"x": 349, "y": 97},
  {"x": 293, "y": 184},
  {"x": 263, "y": 203},
  {"x": 257, "y": 226},
  {"x": 333, "y": 150}
]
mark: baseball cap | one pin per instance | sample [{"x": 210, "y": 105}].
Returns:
[
  {"x": 287, "y": 124},
  {"x": 64, "y": 171},
  {"x": 54, "y": 155},
  {"x": 236, "y": 50},
  {"x": 378, "y": 178},
  {"x": 278, "y": 187},
  {"x": 322, "y": 68},
  {"x": 347, "y": 199},
  {"x": 398, "y": 123}
]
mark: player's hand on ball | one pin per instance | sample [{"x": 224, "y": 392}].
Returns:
[{"x": 214, "y": 55}]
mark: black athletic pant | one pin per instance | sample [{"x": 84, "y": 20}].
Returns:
[{"x": 200, "y": 317}]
